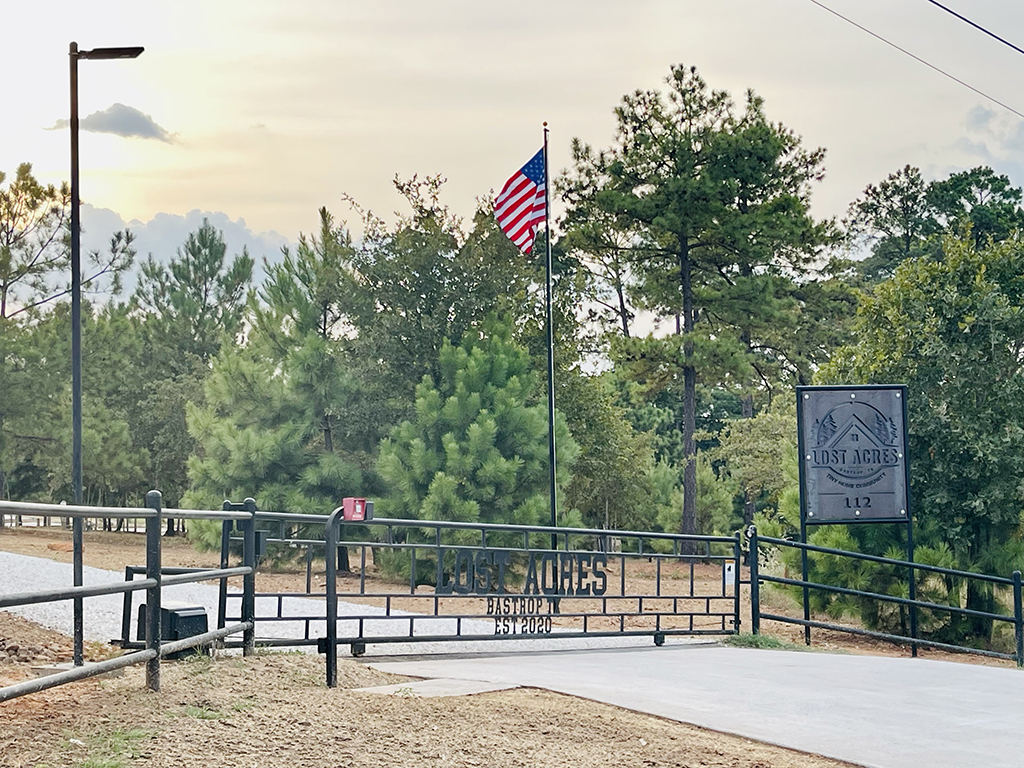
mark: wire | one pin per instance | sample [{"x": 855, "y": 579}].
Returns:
[
  {"x": 976, "y": 26},
  {"x": 919, "y": 59}
]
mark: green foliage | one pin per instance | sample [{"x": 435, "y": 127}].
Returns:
[
  {"x": 611, "y": 482},
  {"x": 709, "y": 205},
  {"x": 903, "y": 217},
  {"x": 952, "y": 330},
  {"x": 113, "y": 749},
  {"x": 476, "y": 451},
  {"x": 201, "y": 711},
  {"x": 895, "y": 218},
  {"x": 978, "y": 202},
  {"x": 755, "y": 450},
  {"x": 285, "y": 420},
  {"x": 33, "y": 218},
  {"x": 257, "y": 439},
  {"x": 195, "y": 303},
  {"x": 35, "y": 420},
  {"x": 763, "y": 642},
  {"x": 713, "y": 503},
  {"x": 426, "y": 281}
]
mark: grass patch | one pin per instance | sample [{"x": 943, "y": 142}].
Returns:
[
  {"x": 197, "y": 664},
  {"x": 761, "y": 641},
  {"x": 270, "y": 650},
  {"x": 108, "y": 750}
]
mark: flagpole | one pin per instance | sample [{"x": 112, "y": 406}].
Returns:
[{"x": 551, "y": 341}]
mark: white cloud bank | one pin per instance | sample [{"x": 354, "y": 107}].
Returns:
[{"x": 162, "y": 235}]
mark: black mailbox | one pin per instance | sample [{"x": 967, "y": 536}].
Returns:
[{"x": 177, "y": 621}]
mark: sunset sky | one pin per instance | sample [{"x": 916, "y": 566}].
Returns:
[{"x": 258, "y": 112}]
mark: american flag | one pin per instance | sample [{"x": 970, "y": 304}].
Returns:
[{"x": 520, "y": 206}]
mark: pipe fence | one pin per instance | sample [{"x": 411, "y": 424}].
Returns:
[
  {"x": 154, "y": 649},
  {"x": 914, "y": 638}
]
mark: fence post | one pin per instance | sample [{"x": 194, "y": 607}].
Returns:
[
  {"x": 804, "y": 570},
  {"x": 912, "y": 591},
  {"x": 77, "y": 607},
  {"x": 1018, "y": 619},
  {"x": 249, "y": 580},
  {"x": 225, "y": 549},
  {"x": 737, "y": 553},
  {"x": 154, "y": 528},
  {"x": 331, "y": 641},
  {"x": 755, "y": 583}
]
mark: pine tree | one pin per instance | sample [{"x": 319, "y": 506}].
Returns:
[
  {"x": 712, "y": 203},
  {"x": 475, "y": 451}
]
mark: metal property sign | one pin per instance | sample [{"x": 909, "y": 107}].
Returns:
[{"x": 853, "y": 454}]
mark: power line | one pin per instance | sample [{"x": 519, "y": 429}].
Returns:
[
  {"x": 976, "y": 26},
  {"x": 919, "y": 59}
]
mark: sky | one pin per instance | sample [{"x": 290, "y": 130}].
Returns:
[{"x": 255, "y": 113}]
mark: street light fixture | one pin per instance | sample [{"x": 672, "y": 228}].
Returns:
[{"x": 76, "y": 324}]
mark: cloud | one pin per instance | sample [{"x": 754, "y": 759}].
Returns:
[
  {"x": 121, "y": 120},
  {"x": 990, "y": 138},
  {"x": 162, "y": 235},
  {"x": 979, "y": 119}
]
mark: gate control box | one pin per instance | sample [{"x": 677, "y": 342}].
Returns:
[
  {"x": 356, "y": 509},
  {"x": 177, "y": 621}
]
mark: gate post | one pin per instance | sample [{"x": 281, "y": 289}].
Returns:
[
  {"x": 249, "y": 580},
  {"x": 1018, "y": 618},
  {"x": 331, "y": 641},
  {"x": 737, "y": 554},
  {"x": 755, "y": 583},
  {"x": 225, "y": 550},
  {"x": 154, "y": 527}
]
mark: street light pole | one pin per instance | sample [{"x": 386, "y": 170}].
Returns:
[{"x": 76, "y": 327}]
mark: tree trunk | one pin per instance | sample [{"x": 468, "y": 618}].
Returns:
[
  {"x": 689, "y": 521},
  {"x": 749, "y": 502},
  {"x": 623, "y": 312},
  {"x": 328, "y": 437},
  {"x": 980, "y": 597}
]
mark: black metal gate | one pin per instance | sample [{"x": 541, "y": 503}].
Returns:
[{"x": 410, "y": 581}]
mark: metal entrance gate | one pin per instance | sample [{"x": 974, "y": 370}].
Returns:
[{"x": 412, "y": 581}]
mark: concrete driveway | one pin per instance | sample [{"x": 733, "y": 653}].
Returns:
[{"x": 874, "y": 711}]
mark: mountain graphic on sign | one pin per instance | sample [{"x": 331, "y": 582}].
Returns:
[{"x": 852, "y": 432}]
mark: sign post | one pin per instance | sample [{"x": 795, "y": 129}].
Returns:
[{"x": 853, "y": 464}]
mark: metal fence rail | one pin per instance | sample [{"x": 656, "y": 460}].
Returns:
[
  {"x": 153, "y": 649},
  {"x": 914, "y": 639}
]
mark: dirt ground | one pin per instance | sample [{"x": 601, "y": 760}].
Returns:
[{"x": 272, "y": 709}]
